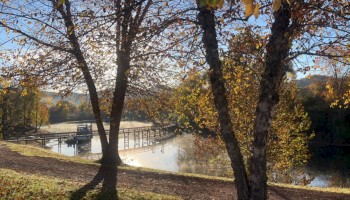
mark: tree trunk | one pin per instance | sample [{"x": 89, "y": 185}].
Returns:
[
  {"x": 4, "y": 117},
  {"x": 36, "y": 114},
  {"x": 206, "y": 19},
  {"x": 24, "y": 114},
  {"x": 275, "y": 69},
  {"x": 66, "y": 15},
  {"x": 119, "y": 94}
]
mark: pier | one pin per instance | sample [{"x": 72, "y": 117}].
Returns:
[{"x": 142, "y": 136}]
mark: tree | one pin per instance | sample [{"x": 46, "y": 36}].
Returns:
[
  {"x": 292, "y": 21},
  {"x": 85, "y": 111},
  {"x": 42, "y": 115},
  {"x": 288, "y": 136},
  {"x": 102, "y": 46},
  {"x": 21, "y": 109},
  {"x": 80, "y": 43},
  {"x": 206, "y": 20},
  {"x": 62, "y": 111}
]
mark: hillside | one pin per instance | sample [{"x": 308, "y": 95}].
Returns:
[
  {"x": 305, "y": 82},
  {"x": 53, "y": 98},
  {"x": 40, "y": 174}
]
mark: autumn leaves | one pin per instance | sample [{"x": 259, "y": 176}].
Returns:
[{"x": 251, "y": 7}]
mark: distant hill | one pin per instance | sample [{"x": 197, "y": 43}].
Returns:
[
  {"x": 305, "y": 82},
  {"x": 53, "y": 97},
  {"x": 77, "y": 98}
]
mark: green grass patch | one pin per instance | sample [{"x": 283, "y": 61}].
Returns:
[
  {"x": 143, "y": 169},
  {"x": 323, "y": 189},
  {"x": 14, "y": 185},
  {"x": 28, "y": 150}
]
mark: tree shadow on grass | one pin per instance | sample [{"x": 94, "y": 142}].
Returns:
[
  {"x": 279, "y": 192},
  {"x": 108, "y": 176}
]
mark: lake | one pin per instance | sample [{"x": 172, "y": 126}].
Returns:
[{"x": 328, "y": 166}]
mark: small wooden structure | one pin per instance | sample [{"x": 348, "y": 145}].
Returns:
[{"x": 84, "y": 132}]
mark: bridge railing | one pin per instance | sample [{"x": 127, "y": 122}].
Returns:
[{"x": 94, "y": 132}]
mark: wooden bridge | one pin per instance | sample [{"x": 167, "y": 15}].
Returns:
[
  {"x": 141, "y": 136},
  {"x": 152, "y": 146}
]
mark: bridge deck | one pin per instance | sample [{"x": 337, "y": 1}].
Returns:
[{"x": 136, "y": 131}]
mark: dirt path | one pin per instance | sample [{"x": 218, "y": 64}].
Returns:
[{"x": 185, "y": 187}]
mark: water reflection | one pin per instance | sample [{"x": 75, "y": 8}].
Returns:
[
  {"x": 328, "y": 167},
  {"x": 93, "y": 146},
  {"x": 189, "y": 162}
]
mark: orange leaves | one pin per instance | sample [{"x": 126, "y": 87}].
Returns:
[
  {"x": 248, "y": 9},
  {"x": 276, "y": 5},
  {"x": 60, "y": 3},
  {"x": 251, "y": 8},
  {"x": 211, "y": 4},
  {"x": 256, "y": 11}
]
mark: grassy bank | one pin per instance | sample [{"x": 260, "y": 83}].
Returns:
[
  {"x": 25, "y": 185},
  {"x": 16, "y": 185},
  {"x": 20, "y": 185},
  {"x": 27, "y": 150}
]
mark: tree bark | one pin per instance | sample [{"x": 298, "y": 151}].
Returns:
[
  {"x": 206, "y": 19},
  {"x": 275, "y": 69},
  {"x": 4, "y": 122},
  {"x": 66, "y": 15},
  {"x": 123, "y": 62},
  {"x": 127, "y": 28}
]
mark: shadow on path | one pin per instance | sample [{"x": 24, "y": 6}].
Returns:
[
  {"x": 108, "y": 176},
  {"x": 281, "y": 194}
]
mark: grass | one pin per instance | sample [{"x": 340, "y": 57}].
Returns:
[
  {"x": 16, "y": 185},
  {"x": 143, "y": 169},
  {"x": 133, "y": 194},
  {"x": 323, "y": 189},
  {"x": 28, "y": 150}
]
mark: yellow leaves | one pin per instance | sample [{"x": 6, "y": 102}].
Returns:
[
  {"x": 203, "y": 3},
  {"x": 251, "y": 8},
  {"x": 335, "y": 104},
  {"x": 256, "y": 11},
  {"x": 248, "y": 10},
  {"x": 236, "y": 89},
  {"x": 60, "y": 3},
  {"x": 24, "y": 92},
  {"x": 276, "y": 5},
  {"x": 221, "y": 3},
  {"x": 290, "y": 75},
  {"x": 211, "y": 4}
]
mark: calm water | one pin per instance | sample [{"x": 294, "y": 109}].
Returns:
[{"x": 327, "y": 167}]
